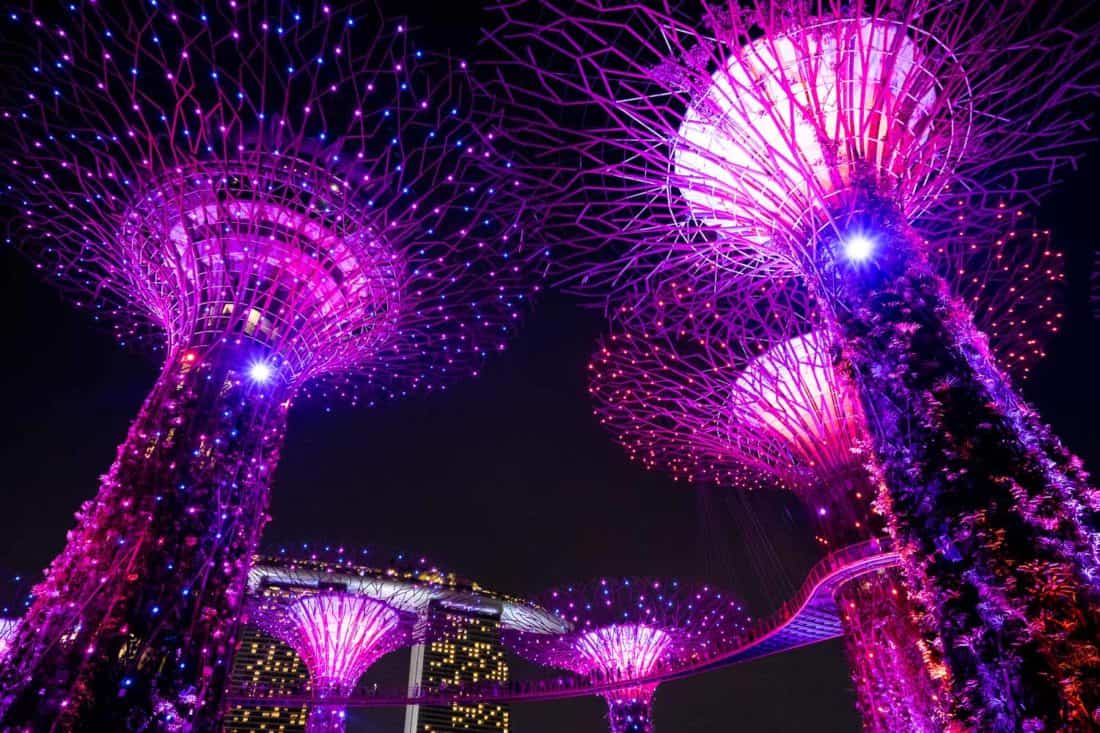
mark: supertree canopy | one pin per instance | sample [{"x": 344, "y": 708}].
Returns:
[
  {"x": 338, "y": 633},
  {"x": 631, "y": 629},
  {"x": 837, "y": 145},
  {"x": 752, "y": 400},
  {"x": 271, "y": 198}
]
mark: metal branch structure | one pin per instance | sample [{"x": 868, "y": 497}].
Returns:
[
  {"x": 630, "y": 629},
  {"x": 342, "y": 611},
  {"x": 8, "y": 627},
  {"x": 338, "y": 633},
  {"x": 788, "y": 420},
  {"x": 770, "y": 409},
  {"x": 274, "y": 200},
  {"x": 834, "y": 147}
]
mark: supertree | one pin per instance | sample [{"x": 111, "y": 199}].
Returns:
[
  {"x": 785, "y": 420},
  {"x": 341, "y": 610},
  {"x": 834, "y": 145},
  {"x": 631, "y": 629},
  {"x": 765, "y": 407},
  {"x": 271, "y": 199},
  {"x": 338, "y": 634}
]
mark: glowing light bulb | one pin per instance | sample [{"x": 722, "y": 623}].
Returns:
[
  {"x": 858, "y": 248},
  {"x": 260, "y": 372}
]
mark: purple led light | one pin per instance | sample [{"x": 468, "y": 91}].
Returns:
[
  {"x": 626, "y": 630},
  {"x": 8, "y": 627},
  {"x": 337, "y": 635},
  {"x": 727, "y": 151},
  {"x": 276, "y": 203}
]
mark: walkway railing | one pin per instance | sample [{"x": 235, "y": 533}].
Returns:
[{"x": 809, "y": 617}]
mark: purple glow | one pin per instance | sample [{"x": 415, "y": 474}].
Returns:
[
  {"x": 624, "y": 650},
  {"x": 8, "y": 627},
  {"x": 858, "y": 248},
  {"x": 260, "y": 372},
  {"x": 631, "y": 629},
  {"x": 339, "y": 636},
  {"x": 273, "y": 215}
]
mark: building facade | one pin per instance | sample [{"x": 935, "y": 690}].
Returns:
[
  {"x": 461, "y": 645},
  {"x": 265, "y": 667}
]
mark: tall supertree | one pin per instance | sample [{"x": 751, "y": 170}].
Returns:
[
  {"x": 631, "y": 629},
  {"x": 271, "y": 199},
  {"x": 836, "y": 145},
  {"x": 766, "y": 407}
]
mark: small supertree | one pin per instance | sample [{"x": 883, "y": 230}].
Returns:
[
  {"x": 342, "y": 610},
  {"x": 631, "y": 629},
  {"x": 837, "y": 144},
  {"x": 338, "y": 634},
  {"x": 270, "y": 198}
]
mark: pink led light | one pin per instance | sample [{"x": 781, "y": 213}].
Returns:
[
  {"x": 339, "y": 636},
  {"x": 624, "y": 650},
  {"x": 8, "y": 627},
  {"x": 328, "y": 202},
  {"x": 626, "y": 630},
  {"x": 793, "y": 394},
  {"x": 790, "y": 119}
]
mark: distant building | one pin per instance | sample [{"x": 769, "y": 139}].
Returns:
[
  {"x": 466, "y": 648},
  {"x": 266, "y": 667},
  {"x": 453, "y": 624}
]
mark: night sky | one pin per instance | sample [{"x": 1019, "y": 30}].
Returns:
[{"x": 507, "y": 479}]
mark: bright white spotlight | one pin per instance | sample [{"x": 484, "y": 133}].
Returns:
[
  {"x": 260, "y": 372},
  {"x": 858, "y": 248}
]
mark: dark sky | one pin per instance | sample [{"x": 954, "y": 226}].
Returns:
[{"x": 507, "y": 479}]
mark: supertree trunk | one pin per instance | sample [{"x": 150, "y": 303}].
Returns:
[
  {"x": 894, "y": 690},
  {"x": 995, "y": 520},
  {"x": 631, "y": 714},
  {"x": 108, "y": 643},
  {"x": 326, "y": 719}
]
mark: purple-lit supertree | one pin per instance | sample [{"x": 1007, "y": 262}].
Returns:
[
  {"x": 772, "y": 410},
  {"x": 339, "y": 614},
  {"x": 272, "y": 199},
  {"x": 342, "y": 610},
  {"x": 631, "y": 629},
  {"x": 833, "y": 146},
  {"x": 338, "y": 633},
  {"x": 786, "y": 420}
]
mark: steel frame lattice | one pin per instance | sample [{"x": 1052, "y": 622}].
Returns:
[
  {"x": 337, "y": 633},
  {"x": 276, "y": 201},
  {"x": 737, "y": 152},
  {"x": 628, "y": 629}
]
